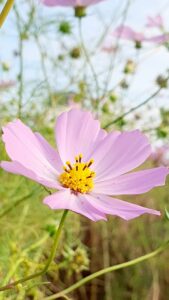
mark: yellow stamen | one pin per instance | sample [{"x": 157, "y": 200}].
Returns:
[
  {"x": 69, "y": 165},
  {"x": 79, "y": 177},
  {"x": 65, "y": 169},
  {"x": 80, "y": 157},
  {"x": 90, "y": 163}
]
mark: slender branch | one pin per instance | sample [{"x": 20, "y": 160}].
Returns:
[
  {"x": 21, "y": 69},
  {"x": 88, "y": 60},
  {"x": 16, "y": 203},
  {"x": 133, "y": 109},
  {"x": 43, "y": 67},
  {"x": 50, "y": 259},
  {"x": 22, "y": 257},
  {"x": 109, "y": 269},
  {"x": 113, "y": 58},
  {"x": 5, "y": 11},
  {"x": 47, "y": 190}
]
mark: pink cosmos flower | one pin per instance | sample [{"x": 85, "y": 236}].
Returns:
[
  {"x": 72, "y": 3},
  {"x": 156, "y": 21},
  {"x": 126, "y": 32},
  {"x": 88, "y": 167},
  {"x": 160, "y": 156},
  {"x": 109, "y": 49},
  {"x": 6, "y": 84}
]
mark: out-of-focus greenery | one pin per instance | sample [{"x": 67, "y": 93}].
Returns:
[{"x": 70, "y": 73}]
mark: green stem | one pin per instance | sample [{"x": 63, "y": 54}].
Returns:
[
  {"x": 5, "y": 11},
  {"x": 88, "y": 60},
  {"x": 133, "y": 109},
  {"x": 136, "y": 107},
  {"x": 50, "y": 259},
  {"x": 16, "y": 203},
  {"x": 109, "y": 269},
  {"x": 21, "y": 69},
  {"x": 21, "y": 258}
]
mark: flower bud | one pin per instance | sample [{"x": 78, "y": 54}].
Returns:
[
  {"x": 162, "y": 82},
  {"x": 124, "y": 85},
  {"x": 5, "y": 66},
  {"x": 138, "y": 45},
  {"x": 61, "y": 57},
  {"x": 24, "y": 36},
  {"x": 51, "y": 229},
  {"x": 105, "y": 108},
  {"x": 161, "y": 133},
  {"x": 75, "y": 53},
  {"x": 80, "y": 11},
  {"x": 64, "y": 27},
  {"x": 113, "y": 97},
  {"x": 130, "y": 67}
]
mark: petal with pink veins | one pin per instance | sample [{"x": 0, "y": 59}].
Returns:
[
  {"x": 119, "y": 153},
  {"x": 116, "y": 207},
  {"x": 16, "y": 168},
  {"x": 24, "y": 147},
  {"x": 67, "y": 200},
  {"x": 133, "y": 183},
  {"x": 76, "y": 133},
  {"x": 49, "y": 152}
]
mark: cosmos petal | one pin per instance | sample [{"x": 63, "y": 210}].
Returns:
[
  {"x": 119, "y": 153},
  {"x": 133, "y": 183},
  {"x": 17, "y": 168},
  {"x": 67, "y": 200},
  {"x": 76, "y": 133},
  {"x": 116, "y": 207},
  {"x": 24, "y": 147},
  {"x": 70, "y": 2},
  {"x": 126, "y": 32},
  {"x": 159, "y": 39},
  {"x": 50, "y": 153},
  {"x": 156, "y": 21}
]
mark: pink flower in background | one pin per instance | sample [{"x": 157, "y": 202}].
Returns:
[
  {"x": 159, "y": 39},
  {"x": 88, "y": 167},
  {"x": 72, "y": 3},
  {"x": 6, "y": 84},
  {"x": 156, "y": 21},
  {"x": 126, "y": 32},
  {"x": 160, "y": 156},
  {"x": 109, "y": 49}
]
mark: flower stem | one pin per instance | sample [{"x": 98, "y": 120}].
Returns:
[
  {"x": 109, "y": 269},
  {"x": 88, "y": 61},
  {"x": 50, "y": 259},
  {"x": 5, "y": 11},
  {"x": 147, "y": 100},
  {"x": 17, "y": 202}
]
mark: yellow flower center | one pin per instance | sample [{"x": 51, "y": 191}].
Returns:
[{"x": 78, "y": 176}]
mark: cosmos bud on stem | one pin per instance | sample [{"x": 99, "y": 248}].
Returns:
[{"x": 80, "y": 11}]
